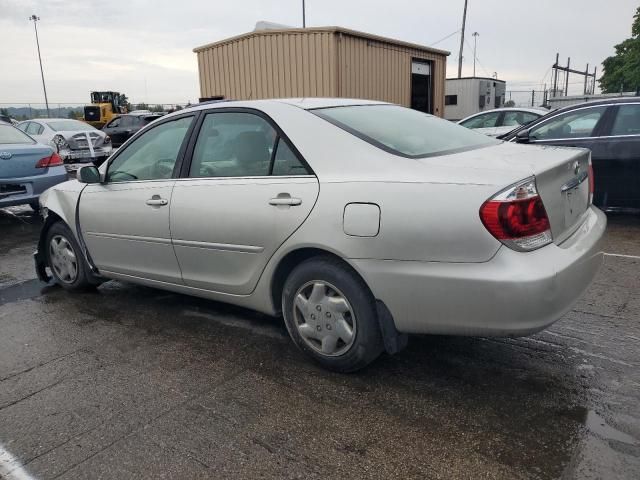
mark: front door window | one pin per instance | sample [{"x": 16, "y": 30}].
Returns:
[{"x": 153, "y": 155}]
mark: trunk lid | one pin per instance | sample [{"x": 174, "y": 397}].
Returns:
[
  {"x": 560, "y": 173},
  {"x": 17, "y": 161}
]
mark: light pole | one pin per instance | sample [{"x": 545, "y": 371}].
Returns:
[
  {"x": 464, "y": 22},
  {"x": 35, "y": 19},
  {"x": 304, "y": 16},
  {"x": 475, "y": 46}
]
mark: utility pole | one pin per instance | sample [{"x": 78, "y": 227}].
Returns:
[
  {"x": 475, "y": 46},
  {"x": 35, "y": 19},
  {"x": 304, "y": 16},
  {"x": 464, "y": 23}
]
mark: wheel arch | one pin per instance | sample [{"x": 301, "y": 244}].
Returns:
[{"x": 394, "y": 341}]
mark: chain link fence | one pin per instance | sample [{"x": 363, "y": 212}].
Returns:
[
  {"x": 526, "y": 98},
  {"x": 28, "y": 111}
]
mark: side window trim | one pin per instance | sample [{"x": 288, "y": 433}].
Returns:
[
  {"x": 272, "y": 162},
  {"x": 181, "y": 152},
  {"x": 197, "y": 125}
]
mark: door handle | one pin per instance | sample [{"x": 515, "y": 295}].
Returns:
[
  {"x": 285, "y": 199},
  {"x": 156, "y": 201}
]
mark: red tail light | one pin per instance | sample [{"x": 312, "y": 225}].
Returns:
[
  {"x": 517, "y": 217},
  {"x": 53, "y": 161}
]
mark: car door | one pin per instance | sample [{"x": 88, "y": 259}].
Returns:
[
  {"x": 114, "y": 130},
  {"x": 617, "y": 170},
  {"x": 245, "y": 192},
  {"x": 125, "y": 220},
  {"x": 583, "y": 128}
]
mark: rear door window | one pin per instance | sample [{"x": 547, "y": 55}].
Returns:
[
  {"x": 574, "y": 124},
  {"x": 515, "y": 119},
  {"x": 627, "y": 120},
  {"x": 35, "y": 128},
  {"x": 486, "y": 120}
]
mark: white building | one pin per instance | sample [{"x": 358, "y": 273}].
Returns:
[{"x": 469, "y": 95}]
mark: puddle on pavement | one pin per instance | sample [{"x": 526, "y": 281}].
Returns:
[
  {"x": 598, "y": 426},
  {"x": 23, "y": 291}
]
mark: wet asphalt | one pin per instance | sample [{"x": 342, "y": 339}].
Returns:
[{"x": 131, "y": 382}]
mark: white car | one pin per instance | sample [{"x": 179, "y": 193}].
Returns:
[
  {"x": 358, "y": 221},
  {"x": 502, "y": 120},
  {"x": 75, "y": 141}
]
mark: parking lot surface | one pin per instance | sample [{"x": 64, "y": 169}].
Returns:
[{"x": 132, "y": 382}]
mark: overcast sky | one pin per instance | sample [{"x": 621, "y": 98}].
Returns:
[{"x": 144, "y": 47}]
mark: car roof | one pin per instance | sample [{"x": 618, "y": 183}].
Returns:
[
  {"x": 50, "y": 119},
  {"x": 604, "y": 101},
  {"x": 303, "y": 103},
  {"x": 569, "y": 108},
  {"x": 537, "y": 110}
]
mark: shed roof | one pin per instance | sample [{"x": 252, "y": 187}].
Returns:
[{"x": 334, "y": 29}]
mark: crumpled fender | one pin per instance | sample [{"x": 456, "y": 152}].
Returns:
[{"x": 62, "y": 200}]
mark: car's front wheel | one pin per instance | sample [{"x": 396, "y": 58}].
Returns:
[
  {"x": 65, "y": 259},
  {"x": 331, "y": 315}
]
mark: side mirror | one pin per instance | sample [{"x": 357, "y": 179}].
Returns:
[
  {"x": 522, "y": 136},
  {"x": 88, "y": 174}
]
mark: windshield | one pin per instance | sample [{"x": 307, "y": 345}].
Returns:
[
  {"x": 69, "y": 125},
  {"x": 10, "y": 134},
  {"x": 404, "y": 131}
]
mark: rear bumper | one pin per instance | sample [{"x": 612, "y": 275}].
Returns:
[
  {"x": 513, "y": 294},
  {"x": 34, "y": 186}
]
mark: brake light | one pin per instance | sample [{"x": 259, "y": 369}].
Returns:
[
  {"x": 591, "y": 181},
  {"x": 52, "y": 161},
  {"x": 517, "y": 217}
]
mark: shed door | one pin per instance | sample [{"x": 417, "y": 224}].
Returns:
[{"x": 421, "y": 86}]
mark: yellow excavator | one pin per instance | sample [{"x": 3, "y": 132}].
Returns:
[{"x": 104, "y": 106}]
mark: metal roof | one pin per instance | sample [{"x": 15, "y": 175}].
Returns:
[{"x": 334, "y": 29}]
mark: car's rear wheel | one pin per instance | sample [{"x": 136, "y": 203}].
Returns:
[
  {"x": 65, "y": 259},
  {"x": 331, "y": 315}
]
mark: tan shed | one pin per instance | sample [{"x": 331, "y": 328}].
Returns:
[{"x": 323, "y": 62}]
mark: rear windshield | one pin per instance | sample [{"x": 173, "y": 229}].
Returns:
[
  {"x": 403, "y": 131},
  {"x": 69, "y": 125},
  {"x": 10, "y": 134}
]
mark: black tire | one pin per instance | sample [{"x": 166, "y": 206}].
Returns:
[
  {"x": 35, "y": 206},
  {"x": 367, "y": 344},
  {"x": 83, "y": 279}
]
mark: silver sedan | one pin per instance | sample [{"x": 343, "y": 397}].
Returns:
[{"x": 359, "y": 222}]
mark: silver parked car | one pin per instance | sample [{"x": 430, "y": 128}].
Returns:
[
  {"x": 26, "y": 168},
  {"x": 501, "y": 121},
  {"x": 75, "y": 141},
  {"x": 360, "y": 222}
]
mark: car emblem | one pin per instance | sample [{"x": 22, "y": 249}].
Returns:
[
  {"x": 6, "y": 155},
  {"x": 576, "y": 168}
]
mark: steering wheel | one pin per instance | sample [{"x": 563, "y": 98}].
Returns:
[{"x": 163, "y": 168}]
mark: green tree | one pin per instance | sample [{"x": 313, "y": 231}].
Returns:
[
  {"x": 622, "y": 70},
  {"x": 4, "y": 111}
]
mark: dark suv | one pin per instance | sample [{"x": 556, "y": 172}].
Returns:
[
  {"x": 124, "y": 126},
  {"x": 611, "y": 130}
]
